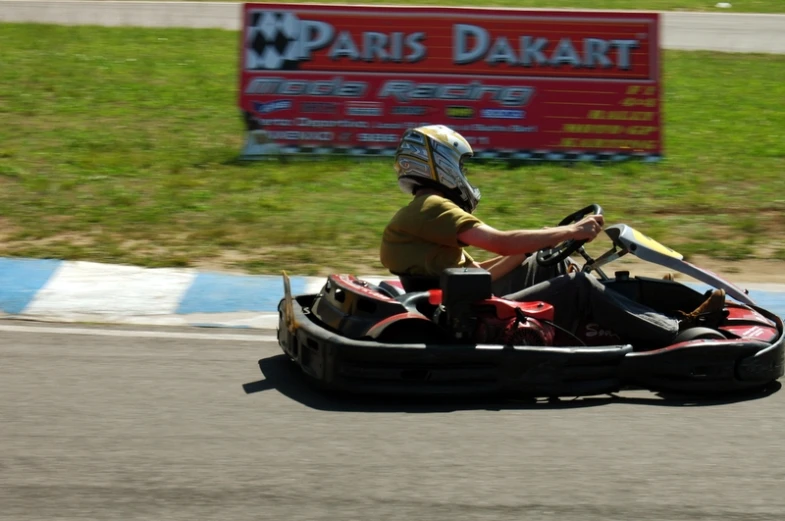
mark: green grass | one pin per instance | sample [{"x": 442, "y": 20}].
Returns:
[
  {"x": 737, "y": 6},
  {"x": 120, "y": 145}
]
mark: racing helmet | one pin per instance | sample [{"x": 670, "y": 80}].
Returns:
[{"x": 433, "y": 157}]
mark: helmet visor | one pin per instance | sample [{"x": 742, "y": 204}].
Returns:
[{"x": 473, "y": 191}]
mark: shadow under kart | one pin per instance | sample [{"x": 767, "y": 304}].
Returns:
[
  {"x": 459, "y": 339},
  {"x": 281, "y": 374}
]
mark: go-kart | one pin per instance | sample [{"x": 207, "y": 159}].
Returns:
[{"x": 451, "y": 335}]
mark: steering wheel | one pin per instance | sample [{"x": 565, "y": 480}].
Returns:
[{"x": 551, "y": 256}]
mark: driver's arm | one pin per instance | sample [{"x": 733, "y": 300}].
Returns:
[
  {"x": 501, "y": 266},
  {"x": 516, "y": 242}
]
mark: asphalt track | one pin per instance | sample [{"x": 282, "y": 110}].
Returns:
[{"x": 185, "y": 425}]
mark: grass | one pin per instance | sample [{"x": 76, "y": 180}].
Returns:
[
  {"x": 737, "y": 6},
  {"x": 119, "y": 145}
]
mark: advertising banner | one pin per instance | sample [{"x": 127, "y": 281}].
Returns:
[{"x": 518, "y": 84}]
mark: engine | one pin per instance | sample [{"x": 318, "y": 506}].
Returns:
[{"x": 518, "y": 331}]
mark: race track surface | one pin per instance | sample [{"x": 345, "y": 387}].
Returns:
[{"x": 184, "y": 425}]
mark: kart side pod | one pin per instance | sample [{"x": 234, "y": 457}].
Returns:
[{"x": 351, "y": 307}]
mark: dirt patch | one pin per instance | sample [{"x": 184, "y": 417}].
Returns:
[
  {"x": 749, "y": 271},
  {"x": 7, "y": 230},
  {"x": 366, "y": 263}
]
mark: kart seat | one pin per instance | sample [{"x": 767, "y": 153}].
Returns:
[
  {"x": 413, "y": 283},
  {"x": 390, "y": 289}
]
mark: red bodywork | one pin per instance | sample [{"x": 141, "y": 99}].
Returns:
[
  {"x": 747, "y": 323},
  {"x": 498, "y": 321}
]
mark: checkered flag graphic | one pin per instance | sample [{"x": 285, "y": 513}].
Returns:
[{"x": 272, "y": 41}]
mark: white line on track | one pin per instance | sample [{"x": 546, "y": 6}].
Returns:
[{"x": 137, "y": 334}]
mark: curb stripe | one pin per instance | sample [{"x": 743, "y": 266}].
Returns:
[
  {"x": 21, "y": 280},
  {"x": 111, "y": 290},
  {"x": 221, "y": 293}
]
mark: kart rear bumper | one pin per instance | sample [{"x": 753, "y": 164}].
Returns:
[{"x": 339, "y": 363}]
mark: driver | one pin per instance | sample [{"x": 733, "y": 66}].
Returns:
[{"x": 430, "y": 233}]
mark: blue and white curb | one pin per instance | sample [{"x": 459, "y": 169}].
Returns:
[
  {"x": 63, "y": 291},
  {"x": 79, "y": 291}
]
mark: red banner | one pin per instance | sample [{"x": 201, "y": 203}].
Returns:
[{"x": 518, "y": 84}]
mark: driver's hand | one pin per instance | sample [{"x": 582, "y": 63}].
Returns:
[{"x": 588, "y": 228}]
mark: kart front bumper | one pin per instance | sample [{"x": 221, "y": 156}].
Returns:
[{"x": 338, "y": 363}]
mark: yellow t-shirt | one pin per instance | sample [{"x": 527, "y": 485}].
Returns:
[{"x": 422, "y": 237}]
